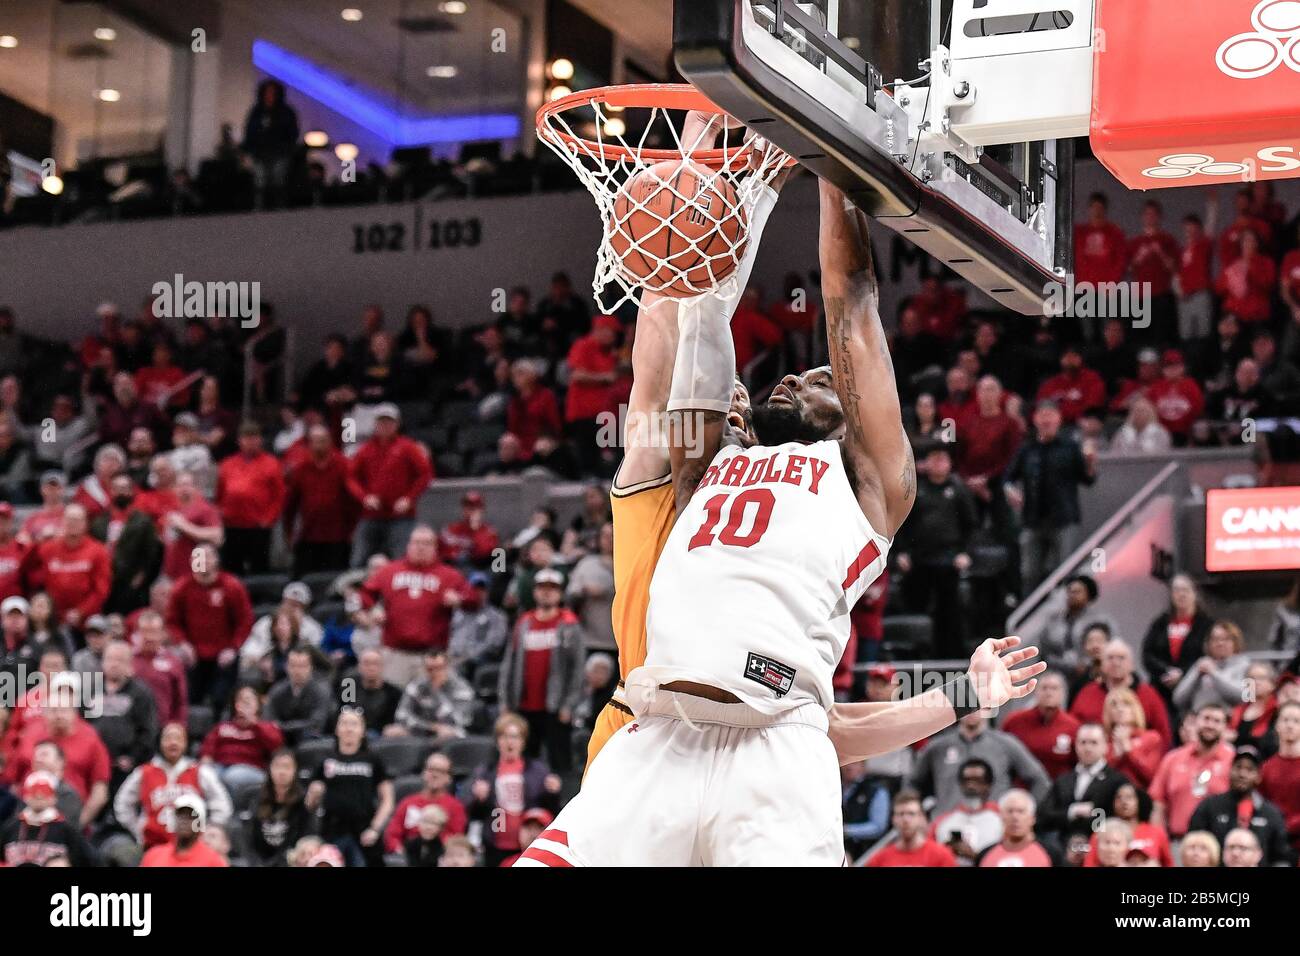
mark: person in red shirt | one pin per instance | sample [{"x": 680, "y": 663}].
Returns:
[
  {"x": 593, "y": 369},
  {"x": 1018, "y": 846},
  {"x": 95, "y": 491},
  {"x": 157, "y": 379},
  {"x": 471, "y": 541},
  {"x": 158, "y": 488},
  {"x": 1153, "y": 262},
  {"x": 797, "y": 317},
  {"x": 159, "y": 668},
  {"x": 250, "y": 492},
  {"x": 13, "y": 554},
  {"x": 1131, "y": 807},
  {"x": 1133, "y": 750},
  {"x": 1076, "y": 389},
  {"x": 1148, "y": 374},
  {"x": 1177, "y": 397},
  {"x": 419, "y": 596},
  {"x": 186, "y": 848},
  {"x": 959, "y": 400},
  {"x": 866, "y": 627},
  {"x": 74, "y": 570},
  {"x": 45, "y": 522},
  {"x": 405, "y": 820},
  {"x": 87, "y": 766},
  {"x": 541, "y": 675},
  {"x": 941, "y": 307},
  {"x": 242, "y": 747},
  {"x": 1117, "y": 671},
  {"x": 1195, "y": 282},
  {"x": 211, "y": 609},
  {"x": 1100, "y": 247},
  {"x": 752, "y": 331},
  {"x": 189, "y": 522},
  {"x": 1047, "y": 730},
  {"x": 1280, "y": 774},
  {"x": 533, "y": 414},
  {"x": 388, "y": 474},
  {"x": 320, "y": 513},
  {"x": 1192, "y": 772},
  {"x": 300, "y": 452},
  {"x": 987, "y": 440},
  {"x": 1244, "y": 221},
  {"x": 1246, "y": 283},
  {"x": 1289, "y": 283},
  {"x": 914, "y": 846}
]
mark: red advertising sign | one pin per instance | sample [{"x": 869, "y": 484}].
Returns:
[
  {"x": 1189, "y": 94},
  {"x": 1252, "y": 529}
]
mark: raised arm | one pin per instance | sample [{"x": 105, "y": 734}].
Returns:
[
  {"x": 876, "y": 450},
  {"x": 645, "y": 453},
  {"x": 862, "y": 731},
  {"x": 703, "y": 377}
]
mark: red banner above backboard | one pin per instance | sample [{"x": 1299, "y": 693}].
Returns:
[{"x": 1193, "y": 93}]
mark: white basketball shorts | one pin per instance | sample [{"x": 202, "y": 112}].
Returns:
[{"x": 692, "y": 782}]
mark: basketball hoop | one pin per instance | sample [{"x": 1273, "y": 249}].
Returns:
[{"x": 674, "y": 214}]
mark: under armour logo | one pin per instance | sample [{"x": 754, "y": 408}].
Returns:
[
  {"x": 1182, "y": 165},
  {"x": 1274, "y": 41},
  {"x": 633, "y": 728},
  {"x": 757, "y": 666}
]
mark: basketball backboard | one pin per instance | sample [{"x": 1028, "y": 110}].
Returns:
[{"x": 871, "y": 97}]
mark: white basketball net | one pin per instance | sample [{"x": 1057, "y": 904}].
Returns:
[{"x": 698, "y": 264}]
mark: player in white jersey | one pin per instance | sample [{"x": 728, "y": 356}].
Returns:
[{"x": 733, "y": 758}]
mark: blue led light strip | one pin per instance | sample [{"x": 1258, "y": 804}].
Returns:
[{"x": 365, "y": 110}]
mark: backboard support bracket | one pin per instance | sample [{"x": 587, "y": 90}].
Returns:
[{"x": 890, "y": 154}]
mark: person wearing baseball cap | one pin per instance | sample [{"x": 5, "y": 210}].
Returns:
[
  {"x": 89, "y": 660},
  {"x": 39, "y": 833},
  {"x": 542, "y": 672},
  {"x": 532, "y": 826},
  {"x": 1148, "y": 373},
  {"x": 295, "y": 599},
  {"x": 471, "y": 541},
  {"x": 46, "y": 521},
  {"x": 186, "y": 848},
  {"x": 1076, "y": 389},
  {"x": 1177, "y": 397},
  {"x": 189, "y": 453},
  {"x": 327, "y": 855},
  {"x": 388, "y": 475},
  {"x": 16, "y": 647},
  {"x": 1243, "y": 806}
]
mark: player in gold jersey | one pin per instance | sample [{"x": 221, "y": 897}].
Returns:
[{"x": 643, "y": 513}]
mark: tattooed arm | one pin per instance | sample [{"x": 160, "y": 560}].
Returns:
[{"x": 876, "y": 450}]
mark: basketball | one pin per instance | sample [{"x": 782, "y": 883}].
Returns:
[{"x": 676, "y": 229}]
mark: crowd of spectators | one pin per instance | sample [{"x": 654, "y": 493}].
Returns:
[
  {"x": 1190, "y": 342},
  {"x": 267, "y": 165},
  {"x": 1197, "y": 763},
  {"x": 418, "y": 694}
]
